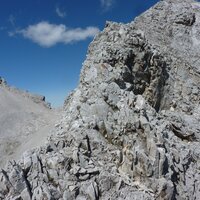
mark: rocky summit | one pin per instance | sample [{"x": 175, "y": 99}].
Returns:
[{"x": 131, "y": 128}]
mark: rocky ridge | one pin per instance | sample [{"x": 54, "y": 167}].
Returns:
[
  {"x": 131, "y": 128},
  {"x": 38, "y": 99},
  {"x": 24, "y": 118}
]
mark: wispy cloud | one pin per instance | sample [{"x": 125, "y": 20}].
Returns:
[
  {"x": 11, "y": 33},
  {"x": 47, "y": 35},
  {"x": 60, "y": 12},
  {"x": 11, "y": 19},
  {"x": 3, "y": 28},
  {"x": 107, "y": 4}
]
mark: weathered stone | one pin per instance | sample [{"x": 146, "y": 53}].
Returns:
[{"x": 131, "y": 128}]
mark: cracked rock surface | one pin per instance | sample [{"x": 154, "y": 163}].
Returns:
[{"x": 131, "y": 128}]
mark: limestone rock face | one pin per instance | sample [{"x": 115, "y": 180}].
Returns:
[{"x": 131, "y": 128}]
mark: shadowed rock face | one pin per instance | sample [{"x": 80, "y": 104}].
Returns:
[{"x": 131, "y": 128}]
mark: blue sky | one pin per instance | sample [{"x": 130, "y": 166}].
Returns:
[{"x": 43, "y": 43}]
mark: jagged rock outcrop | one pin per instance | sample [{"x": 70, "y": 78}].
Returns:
[
  {"x": 131, "y": 128},
  {"x": 3, "y": 81}
]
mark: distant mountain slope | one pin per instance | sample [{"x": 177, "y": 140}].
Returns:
[{"x": 22, "y": 115}]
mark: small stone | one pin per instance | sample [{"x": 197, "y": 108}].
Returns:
[
  {"x": 84, "y": 177},
  {"x": 72, "y": 187},
  {"x": 82, "y": 171},
  {"x": 93, "y": 170},
  {"x": 25, "y": 194}
]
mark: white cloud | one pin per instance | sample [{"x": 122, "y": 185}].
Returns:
[
  {"x": 60, "y": 13},
  {"x": 47, "y": 35},
  {"x": 107, "y": 4}
]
